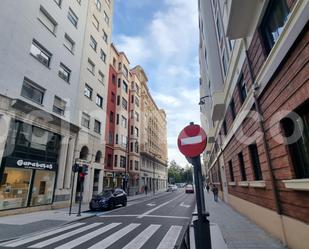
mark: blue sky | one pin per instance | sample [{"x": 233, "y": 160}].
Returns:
[{"x": 162, "y": 37}]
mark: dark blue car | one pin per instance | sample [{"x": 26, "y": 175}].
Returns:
[{"x": 108, "y": 199}]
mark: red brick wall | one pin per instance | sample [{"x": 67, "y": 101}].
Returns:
[{"x": 288, "y": 89}]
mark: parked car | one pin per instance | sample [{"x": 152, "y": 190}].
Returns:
[
  {"x": 108, "y": 199},
  {"x": 171, "y": 188},
  {"x": 189, "y": 189}
]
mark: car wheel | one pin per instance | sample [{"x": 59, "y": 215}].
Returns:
[
  {"x": 112, "y": 205},
  {"x": 124, "y": 203}
]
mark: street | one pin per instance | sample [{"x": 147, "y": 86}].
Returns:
[{"x": 159, "y": 222}]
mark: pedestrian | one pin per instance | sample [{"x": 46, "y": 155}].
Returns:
[
  {"x": 146, "y": 189},
  {"x": 215, "y": 192},
  {"x": 207, "y": 187}
]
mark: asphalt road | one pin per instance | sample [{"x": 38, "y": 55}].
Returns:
[{"x": 159, "y": 222}]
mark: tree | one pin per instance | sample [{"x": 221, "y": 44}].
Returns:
[{"x": 178, "y": 174}]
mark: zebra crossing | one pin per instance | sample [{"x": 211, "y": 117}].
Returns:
[{"x": 98, "y": 235}]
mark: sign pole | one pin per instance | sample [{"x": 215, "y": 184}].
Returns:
[
  {"x": 81, "y": 195},
  {"x": 72, "y": 190}
]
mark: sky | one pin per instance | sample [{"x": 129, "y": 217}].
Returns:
[{"x": 162, "y": 37}]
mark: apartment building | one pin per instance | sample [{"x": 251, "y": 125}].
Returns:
[
  {"x": 118, "y": 121},
  {"x": 153, "y": 143},
  {"x": 41, "y": 49},
  {"x": 258, "y": 138},
  {"x": 92, "y": 97}
]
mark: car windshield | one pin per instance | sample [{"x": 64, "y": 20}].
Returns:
[{"x": 106, "y": 193}]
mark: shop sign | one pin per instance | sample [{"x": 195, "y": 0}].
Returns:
[{"x": 30, "y": 164}]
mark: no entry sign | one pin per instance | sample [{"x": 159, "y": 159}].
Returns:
[{"x": 192, "y": 140}]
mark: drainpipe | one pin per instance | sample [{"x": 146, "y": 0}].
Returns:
[{"x": 265, "y": 145}]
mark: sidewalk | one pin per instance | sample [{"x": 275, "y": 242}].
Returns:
[
  {"x": 15, "y": 225},
  {"x": 237, "y": 230}
]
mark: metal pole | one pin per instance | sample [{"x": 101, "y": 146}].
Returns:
[
  {"x": 72, "y": 190},
  {"x": 201, "y": 225},
  {"x": 80, "y": 197}
]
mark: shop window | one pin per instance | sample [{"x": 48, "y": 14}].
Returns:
[
  {"x": 297, "y": 136},
  {"x": 273, "y": 22},
  {"x": 255, "y": 162},
  {"x": 14, "y": 188},
  {"x": 43, "y": 186}
]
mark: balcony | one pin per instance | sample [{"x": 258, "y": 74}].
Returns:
[
  {"x": 241, "y": 17},
  {"x": 218, "y": 107}
]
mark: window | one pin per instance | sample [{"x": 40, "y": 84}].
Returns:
[
  {"x": 123, "y": 160},
  {"x": 125, "y": 86},
  {"x": 99, "y": 101},
  {"x": 88, "y": 91},
  {"x": 117, "y": 119},
  {"x": 242, "y": 167},
  {"x": 124, "y": 103},
  {"x": 137, "y": 101},
  {"x": 40, "y": 53},
  {"x": 131, "y": 164},
  {"x": 98, "y": 157},
  {"x": 93, "y": 43},
  {"x": 98, "y": 4},
  {"x": 79, "y": 1},
  {"x": 64, "y": 72},
  {"x": 132, "y": 99},
  {"x": 105, "y": 38},
  {"x": 59, "y": 106},
  {"x": 111, "y": 138},
  {"x": 136, "y": 165},
  {"x": 85, "y": 120},
  {"x": 255, "y": 162},
  {"x": 58, "y": 2},
  {"x": 32, "y": 91},
  {"x": 111, "y": 117},
  {"x": 131, "y": 147},
  {"x": 136, "y": 147},
  {"x": 231, "y": 171},
  {"x": 101, "y": 77},
  {"x": 224, "y": 61},
  {"x": 136, "y": 116},
  {"x": 114, "y": 79},
  {"x": 117, "y": 139},
  {"x": 118, "y": 100},
  {"x": 132, "y": 130},
  {"x": 103, "y": 56},
  {"x": 224, "y": 127},
  {"x": 72, "y": 17},
  {"x": 136, "y": 132},
  {"x": 69, "y": 43},
  {"x": 123, "y": 122},
  {"x": 95, "y": 22},
  {"x": 298, "y": 150},
  {"x": 124, "y": 141},
  {"x": 116, "y": 161},
  {"x": 119, "y": 82},
  {"x": 242, "y": 89},
  {"x": 136, "y": 88},
  {"x": 232, "y": 107},
  {"x": 97, "y": 126},
  {"x": 113, "y": 97},
  {"x": 125, "y": 71},
  {"x": 273, "y": 22},
  {"x": 46, "y": 19},
  {"x": 91, "y": 66},
  {"x": 219, "y": 30},
  {"x": 106, "y": 18}
]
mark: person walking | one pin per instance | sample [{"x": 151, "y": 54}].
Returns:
[
  {"x": 207, "y": 187},
  {"x": 146, "y": 189},
  {"x": 215, "y": 192}
]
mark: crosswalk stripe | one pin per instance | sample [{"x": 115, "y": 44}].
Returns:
[
  {"x": 114, "y": 237},
  {"x": 87, "y": 237},
  {"x": 22, "y": 241},
  {"x": 142, "y": 238},
  {"x": 170, "y": 238},
  {"x": 64, "y": 236}
]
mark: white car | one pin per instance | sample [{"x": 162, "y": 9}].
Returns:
[{"x": 171, "y": 188}]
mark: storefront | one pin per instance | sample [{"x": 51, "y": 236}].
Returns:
[{"x": 28, "y": 171}]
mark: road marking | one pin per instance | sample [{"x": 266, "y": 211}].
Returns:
[
  {"x": 191, "y": 140},
  {"x": 151, "y": 204},
  {"x": 87, "y": 237},
  {"x": 22, "y": 241},
  {"x": 183, "y": 205},
  {"x": 156, "y": 208},
  {"x": 142, "y": 238},
  {"x": 149, "y": 215},
  {"x": 64, "y": 236},
  {"x": 114, "y": 237},
  {"x": 170, "y": 238}
]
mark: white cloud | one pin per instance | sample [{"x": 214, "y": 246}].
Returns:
[{"x": 167, "y": 49}]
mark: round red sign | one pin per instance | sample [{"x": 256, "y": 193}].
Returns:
[{"x": 192, "y": 140}]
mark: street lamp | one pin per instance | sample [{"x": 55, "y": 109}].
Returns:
[{"x": 202, "y": 101}]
